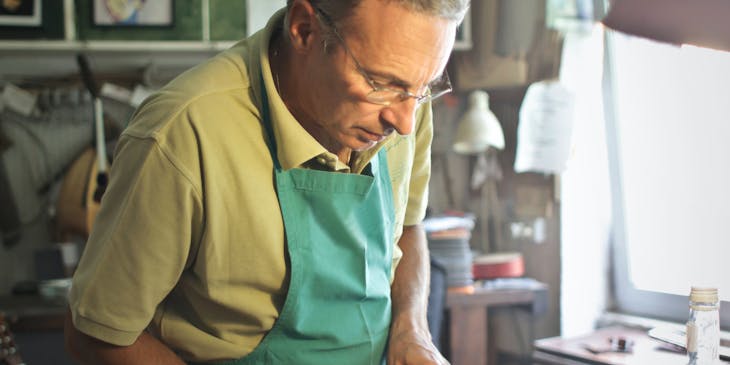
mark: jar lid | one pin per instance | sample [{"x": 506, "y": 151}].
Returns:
[{"x": 703, "y": 294}]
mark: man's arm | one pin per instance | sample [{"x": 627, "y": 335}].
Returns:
[
  {"x": 89, "y": 350},
  {"x": 410, "y": 340}
]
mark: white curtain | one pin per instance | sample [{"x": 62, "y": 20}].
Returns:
[{"x": 585, "y": 206}]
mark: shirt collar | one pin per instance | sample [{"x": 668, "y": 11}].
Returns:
[{"x": 294, "y": 144}]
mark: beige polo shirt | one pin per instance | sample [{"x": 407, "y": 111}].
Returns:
[{"x": 189, "y": 242}]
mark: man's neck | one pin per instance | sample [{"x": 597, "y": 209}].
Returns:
[{"x": 286, "y": 85}]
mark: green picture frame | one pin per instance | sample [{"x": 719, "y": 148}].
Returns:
[
  {"x": 227, "y": 20},
  {"x": 187, "y": 25},
  {"x": 152, "y": 14},
  {"x": 51, "y": 23},
  {"x": 22, "y": 13}
]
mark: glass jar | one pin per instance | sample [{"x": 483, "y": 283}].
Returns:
[{"x": 703, "y": 327}]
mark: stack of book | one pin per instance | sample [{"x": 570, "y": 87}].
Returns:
[{"x": 448, "y": 242}]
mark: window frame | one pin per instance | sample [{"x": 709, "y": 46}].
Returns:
[{"x": 627, "y": 299}]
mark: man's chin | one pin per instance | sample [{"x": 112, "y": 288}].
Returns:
[{"x": 363, "y": 145}]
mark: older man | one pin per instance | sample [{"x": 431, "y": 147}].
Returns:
[{"x": 264, "y": 207}]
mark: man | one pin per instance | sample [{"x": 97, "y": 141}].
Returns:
[{"x": 263, "y": 208}]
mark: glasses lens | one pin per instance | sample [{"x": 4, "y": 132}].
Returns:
[
  {"x": 439, "y": 87},
  {"x": 387, "y": 96},
  {"x": 384, "y": 96}
]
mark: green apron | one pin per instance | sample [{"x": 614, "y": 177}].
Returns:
[{"x": 339, "y": 235}]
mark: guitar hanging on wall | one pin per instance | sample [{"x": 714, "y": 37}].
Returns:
[{"x": 87, "y": 178}]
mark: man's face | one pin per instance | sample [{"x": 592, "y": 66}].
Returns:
[{"x": 398, "y": 49}]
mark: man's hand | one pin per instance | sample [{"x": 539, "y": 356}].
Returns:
[
  {"x": 410, "y": 342},
  {"x": 411, "y": 347}
]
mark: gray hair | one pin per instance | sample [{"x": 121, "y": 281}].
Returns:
[
  {"x": 453, "y": 10},
  {"x": 339, "y": 10}
]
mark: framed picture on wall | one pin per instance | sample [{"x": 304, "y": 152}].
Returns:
[
  {"x": 20, "y": 13},
  {"x": 132, "y": 13},
  {"x": 156, "y": 20},
  {"x": 31, "y": 19}
]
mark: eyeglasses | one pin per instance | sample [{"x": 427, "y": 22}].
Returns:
[{"x": 384, "y": 95}]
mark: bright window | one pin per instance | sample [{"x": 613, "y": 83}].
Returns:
[{"x": 668, "y": 126}]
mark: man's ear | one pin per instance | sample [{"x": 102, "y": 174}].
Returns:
[{"x": 304, "y": 27}]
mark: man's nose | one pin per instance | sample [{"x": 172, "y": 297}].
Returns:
[{"x": 401, "y": 116}]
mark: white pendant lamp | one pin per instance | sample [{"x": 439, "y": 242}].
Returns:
[{"x": 478, "y": 128}]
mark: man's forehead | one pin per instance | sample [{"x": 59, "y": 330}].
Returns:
[{"x": 389, "y": 30}]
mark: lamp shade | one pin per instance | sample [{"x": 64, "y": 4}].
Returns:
[{"x": 478, "y": 128}]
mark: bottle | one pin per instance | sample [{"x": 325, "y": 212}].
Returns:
[{"x": 703, "y": 327}]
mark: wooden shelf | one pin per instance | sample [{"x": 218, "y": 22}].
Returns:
[
  {"x": 113, "y": 46},
  {"x": 50, "y": 58}
]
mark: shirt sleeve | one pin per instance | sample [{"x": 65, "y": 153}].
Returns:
[
  {"x": 148, "y": 224},
  {"x": 421, "y": 169}
]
